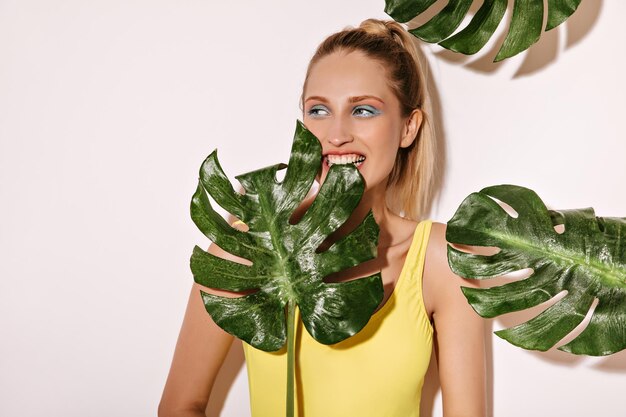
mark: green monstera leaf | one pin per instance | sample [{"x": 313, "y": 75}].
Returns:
[
  {"x": 525, "y": 28},
  {"x": 286, "y": 271},
  {"x": 587, "y": 260}
]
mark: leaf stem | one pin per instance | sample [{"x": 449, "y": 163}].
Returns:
[
  {"x": 610, "y": 275},
  {"x": 291, "y": 327}
]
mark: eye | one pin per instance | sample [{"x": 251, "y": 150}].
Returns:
[
  {"x": 318, "y": 110},
  {"x": 365, "y": 111}
]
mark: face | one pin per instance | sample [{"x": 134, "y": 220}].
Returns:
[{"x": 350, "y": 108}]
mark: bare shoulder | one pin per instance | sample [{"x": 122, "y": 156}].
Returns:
[
  {"x": 437, "y": 244},
  {"x": 436, "y": 263},
  {"x": 441, "y": 285}
]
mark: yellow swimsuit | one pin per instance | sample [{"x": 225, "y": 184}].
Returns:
[{"x": 379, "y": 372}]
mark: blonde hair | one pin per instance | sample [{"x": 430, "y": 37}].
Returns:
[{"x": 410, "y": 186}]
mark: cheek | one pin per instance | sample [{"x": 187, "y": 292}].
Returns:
[{"x": 386, "y": 143}]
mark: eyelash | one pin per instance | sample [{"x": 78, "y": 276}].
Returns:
[
  {"x": 371, "y": 111},
  {"x": 313, "y": 110}
]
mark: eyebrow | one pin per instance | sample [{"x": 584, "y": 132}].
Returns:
[
  {"x": 318, "y": 98},
  {"x": 366, "y": 97},
  {"x": 351, "y": 99}
]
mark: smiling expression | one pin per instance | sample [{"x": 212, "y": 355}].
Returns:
[{"x": 349, "y": 106}]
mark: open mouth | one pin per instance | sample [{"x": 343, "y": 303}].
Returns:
[{"x": 351, "y": 158}]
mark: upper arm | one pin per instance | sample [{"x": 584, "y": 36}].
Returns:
[
  {"x": 200, "y": 350},
  {"x": 460, "y": 345}
]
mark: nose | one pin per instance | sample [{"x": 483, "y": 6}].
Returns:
[{"x": 339, "y": 132}]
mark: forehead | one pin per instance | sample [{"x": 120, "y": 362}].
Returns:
[{"x": 348, "y": 74}]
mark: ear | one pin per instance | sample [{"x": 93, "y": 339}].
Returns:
[{"x": 411, "y": 127}]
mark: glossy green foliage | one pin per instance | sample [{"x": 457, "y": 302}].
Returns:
[
  {"x": 585, "y": 262},
  {"x": 285, "y": 266},
  {"x": 524, "y": 30}
]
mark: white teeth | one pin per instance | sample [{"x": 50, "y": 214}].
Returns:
[{"x": 345, "y": 159}]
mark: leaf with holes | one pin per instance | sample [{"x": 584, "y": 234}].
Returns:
[
  {"x": 588, "y": 260},
  {"x": 286, "y": 270},
  {"x": 285, "y": 266},
  {"x": 525, "y": 28}
]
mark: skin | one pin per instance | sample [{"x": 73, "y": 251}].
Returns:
[{"x": 351, "y": 109}]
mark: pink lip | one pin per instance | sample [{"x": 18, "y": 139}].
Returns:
[{"x": 342, "y": 153}]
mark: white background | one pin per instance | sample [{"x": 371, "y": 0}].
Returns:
[{"x": 107, "y": 109}]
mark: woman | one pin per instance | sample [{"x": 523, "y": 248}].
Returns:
[{"x": 364, "y": 98}]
